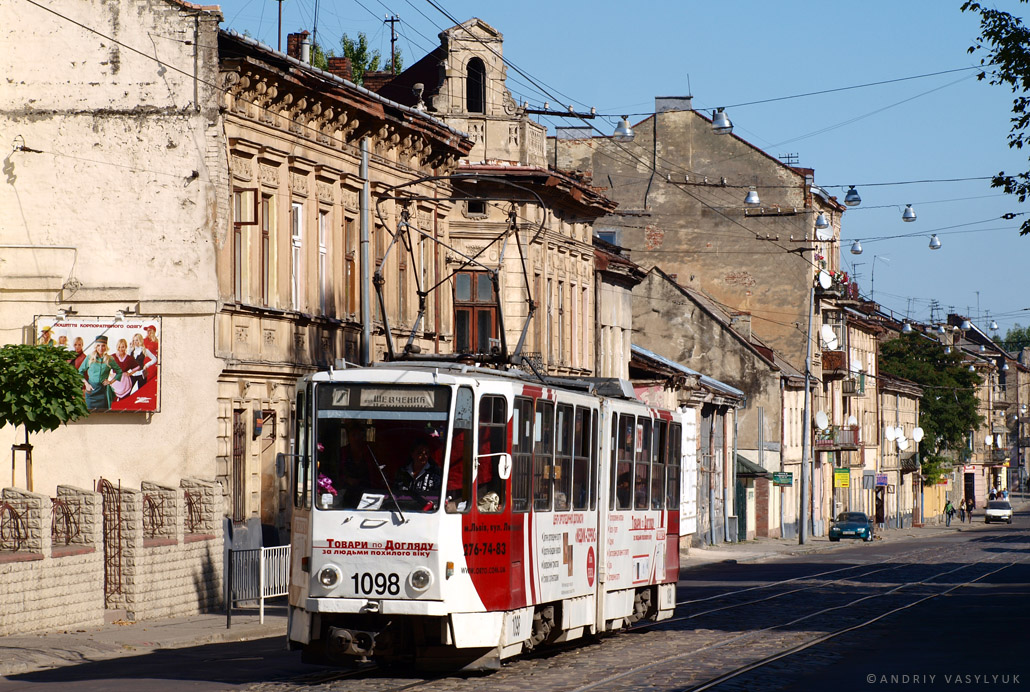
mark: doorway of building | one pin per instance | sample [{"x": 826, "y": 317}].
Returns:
[{"x": 970, "y": 487}]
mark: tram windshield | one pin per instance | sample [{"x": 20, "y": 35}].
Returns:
[{"x": 380, "y": 446}]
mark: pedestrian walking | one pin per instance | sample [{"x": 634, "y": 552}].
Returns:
[
  {"x": 962, "y": 510},
  {"x": 969, "y": 510},
  {"x": 949, "y": 512}
]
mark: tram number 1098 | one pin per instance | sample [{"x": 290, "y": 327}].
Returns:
[{"x": 378, "y": 583}]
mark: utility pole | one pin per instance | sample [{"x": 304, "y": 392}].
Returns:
[
  {"x": 806, "y": 480},
  {"x": 279, "y": 33},
  {"x": 392, "y": 21}
]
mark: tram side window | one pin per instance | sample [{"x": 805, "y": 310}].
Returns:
[
  {"x": 459, "y": 472},
  {"x": 301, "y": 458},
  {"x": 672, "y": 468},
  {"x": 493, "y": 422},
  {"x": 522, "y": 454},
  {"x": 563, "y": 459},
  {"x": 624, "y": 463},
  {"x": 642, "y": 475},
  {"x": 594, "y": 461},
  {"x": 543, "y": 455},
  {"x": 660, "y": 447},
  {"x": 581, "y": 466}
]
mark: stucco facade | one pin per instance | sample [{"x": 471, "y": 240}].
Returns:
[
  {"x": 681, "y": 191},
  {"x": 113, "y": 188}
]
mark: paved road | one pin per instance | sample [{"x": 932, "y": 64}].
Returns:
[{"x": 856, "y": 618}]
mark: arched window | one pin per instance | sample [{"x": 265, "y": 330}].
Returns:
[{"x": 475, "y": 87}]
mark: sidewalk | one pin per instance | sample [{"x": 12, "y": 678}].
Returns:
[
  {"x": 761, "y": 549},
  {"x": 26, "y": 653}
]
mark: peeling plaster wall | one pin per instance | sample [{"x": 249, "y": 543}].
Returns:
[
  {"x": 112, "y": 202},
  {"x": 701, "y": 231}
]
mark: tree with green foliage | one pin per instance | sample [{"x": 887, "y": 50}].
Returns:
[
  {"x": 39, "y": 389},
  {"x": 1016, "y": 339},
  {"x": 1006, "y": 41},
  {"x": 362, "y": 59},
  {"x": 948, "y": 409}
]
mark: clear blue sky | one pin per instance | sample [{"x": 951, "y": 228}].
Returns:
[{"x": 617, "y": 56}]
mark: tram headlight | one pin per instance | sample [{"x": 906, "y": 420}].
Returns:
[
  {"x": 329, "y": 576},
  {"x": 420, "y": 578}
]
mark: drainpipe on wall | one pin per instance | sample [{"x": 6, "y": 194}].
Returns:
[
  {"x": 366, "y": 275},
  {"x": 806, "y": 430}
]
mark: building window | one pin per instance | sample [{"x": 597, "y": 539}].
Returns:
[
  {"x": 296, "y": 254},
  {"x": 475, "y": 207},
  {"x": 549, "y": 324},
  {"x": 323, "y": 253},
  {"x": 244, "y": 208},
  {"x": 475, "y": 312},
  {"x": 475, "y": 87},
  {"x": 561, "y": 322},
  {"x": 266, "y": 247},
  {"x": 350, "y": 248}
]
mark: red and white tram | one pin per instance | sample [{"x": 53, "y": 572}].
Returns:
[{"x": 463, "y": 515}]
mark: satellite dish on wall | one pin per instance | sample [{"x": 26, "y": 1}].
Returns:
[
  {"x": 902, "y": 444},
  {"x": 988, "y": 441},
  {"x": 852, "y": 420},
  {"x": 824, "y": 279},
  {"x": 829, "y": 338},
  {"x": 821, "y": 420},
  {"x": 917, "y": 434},
  {"x": 890, "y": 433},
  {"x": 856, "y": 366},
  {"x": 823, "y": 234}
]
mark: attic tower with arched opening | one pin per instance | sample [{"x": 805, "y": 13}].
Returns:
[{"x": 472, "y": 97}]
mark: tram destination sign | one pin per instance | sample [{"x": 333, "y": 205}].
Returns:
[{"x": 783, "y": 478}]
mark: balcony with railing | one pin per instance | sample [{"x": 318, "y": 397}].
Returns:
[
  {"x": 838, "y": 438},
  {"x": 853, "y": 386}
]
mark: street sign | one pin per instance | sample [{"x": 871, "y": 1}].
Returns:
[
  {"x": 841, "y": 478},
  {"x": 881, "y": 479},
  {"x": 783, "y": 478}
]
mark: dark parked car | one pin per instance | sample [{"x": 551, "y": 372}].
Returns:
[{"x": 852, "y": 525}]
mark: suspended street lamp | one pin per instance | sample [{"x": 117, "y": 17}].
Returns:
[
  {"x": 821, "y": 221},
  {"x": 935, "y": 242},
  {"x": 852, "y": 199},
  {"x": 909, "y": 214},
  {"x": 623, "y": 132},
  {"x": 721, "y": 124},
  {"x": 856, "y": 248},
  {"x": 752, "y": 197}
]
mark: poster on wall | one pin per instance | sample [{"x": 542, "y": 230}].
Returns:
[{"x": 119, "y": 359}]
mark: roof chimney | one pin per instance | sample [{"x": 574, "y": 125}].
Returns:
[
  {"x": 741, "y": 323},
  {"x": 293, "y": 45}
]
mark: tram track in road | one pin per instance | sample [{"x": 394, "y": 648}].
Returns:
[
  {"x": 655, "y": 658},
  {"x": 707, "y": 675},
  {"x": 892, "y": 563}
]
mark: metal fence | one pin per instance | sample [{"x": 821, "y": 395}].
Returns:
[{"x": 254, "y": 575}]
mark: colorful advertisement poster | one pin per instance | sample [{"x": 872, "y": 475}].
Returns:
[{"x": 118, "y": 359}]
